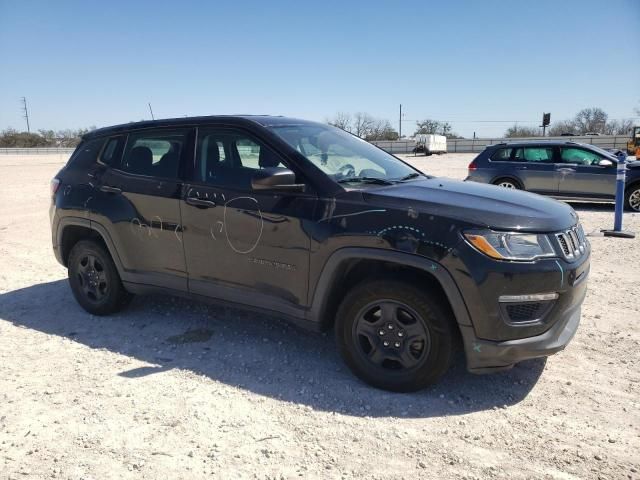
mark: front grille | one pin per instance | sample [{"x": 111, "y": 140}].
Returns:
[
  {"x": 523, "y": 312},
  {"x": 572, "y": 242}
]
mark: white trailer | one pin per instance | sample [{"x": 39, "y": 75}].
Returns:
[{"x": 430, "y": 144}]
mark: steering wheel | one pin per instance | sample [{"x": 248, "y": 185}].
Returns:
[{"x": 347, "y": 170}]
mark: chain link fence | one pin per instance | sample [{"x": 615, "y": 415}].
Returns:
[
  {"x": 36, "y": 151},
  {"x": 476, "y": 145}
]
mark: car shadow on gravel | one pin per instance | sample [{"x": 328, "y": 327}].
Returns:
[{"x": 254, "y": 352}]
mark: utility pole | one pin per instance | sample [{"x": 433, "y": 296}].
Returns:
[
  {"x": 150, "y": 110},
  {"x": 25, "y": 113},
  {"x": 400, "y": 123}
]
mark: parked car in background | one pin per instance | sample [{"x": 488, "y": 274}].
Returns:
[
  {"x": 564, "y": 170},
  {"x": 616, "y": 151}
]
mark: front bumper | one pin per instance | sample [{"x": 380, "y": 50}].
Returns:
[
  {"x": 485, "y": 356},
  {"x": 493, "y": 343}
]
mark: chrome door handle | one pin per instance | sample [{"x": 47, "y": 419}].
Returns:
[
  {"x": 109, "y": 189},
  {"x": 199, "y": 202}
]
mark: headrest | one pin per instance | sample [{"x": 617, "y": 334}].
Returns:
[
  {"x": 267, "y": 159},
  {"x": 213, "y": 153},
  {"x": 140, "y": 160}
]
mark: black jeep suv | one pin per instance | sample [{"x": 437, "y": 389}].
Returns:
[{"x": 317, "y": 226}]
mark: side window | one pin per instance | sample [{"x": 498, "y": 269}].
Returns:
[
  {"x": 248, "y": 152},
  {"x": 229, "y": 158},
  {"x": 535, "y": 154},
  {"x": 579, "y": 156},
  {"x": 501, "y": 155},
  {"x": 86, "y": 153},
  {"x": 154, "y": 153},
  {"x": 112, "y": 151}
]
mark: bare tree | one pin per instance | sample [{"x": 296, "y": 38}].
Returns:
[
  {"x": 563, "y": 126},
  {"x": 618, "y": 127},
  {"x": 364, "y": 126},
  {"x": 592, "y": 119},
  {"x": 517, "y": 131},
  {"x": 381, "y": 130},
  {"x": 341, "y": 120}
]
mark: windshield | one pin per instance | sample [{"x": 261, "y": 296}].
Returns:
[
  {"x": 602, "y": 151},
  {"x": 342, "y": 156}
]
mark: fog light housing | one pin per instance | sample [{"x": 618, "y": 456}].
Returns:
[{"x": 528, "y": 309}]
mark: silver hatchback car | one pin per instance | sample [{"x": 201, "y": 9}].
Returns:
[{"x": 564, "y": 170}]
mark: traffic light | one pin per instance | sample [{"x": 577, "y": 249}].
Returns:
[{"x": 546, "y": 119}]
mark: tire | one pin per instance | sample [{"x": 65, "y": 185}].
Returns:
[
  {"x": 395, "y": 312},
  {"x": 632, "y": 198},
  {"x": 94, "y": 279},
  {"x": 507, "y": 183}
]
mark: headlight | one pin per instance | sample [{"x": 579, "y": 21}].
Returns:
[{"x": 510, "y": 246}]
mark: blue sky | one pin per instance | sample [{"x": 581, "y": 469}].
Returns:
[{"x": 99, "y": 63}]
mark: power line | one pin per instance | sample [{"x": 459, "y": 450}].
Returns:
[{"x": 25, "y": 113}]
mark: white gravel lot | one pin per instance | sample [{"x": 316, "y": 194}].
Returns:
[{"x": 247, "y": 396}]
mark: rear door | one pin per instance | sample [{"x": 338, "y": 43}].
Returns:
[
  {"x": 138, "y": 202},
  {"x": 535, "y": 167},
  {"x": 581, "y": 176}
]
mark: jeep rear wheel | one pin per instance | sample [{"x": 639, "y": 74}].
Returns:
[
  {"x": 394, "y": 336},
  {"x": 94, "y": 279}
]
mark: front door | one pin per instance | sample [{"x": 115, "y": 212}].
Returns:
[
  {"x": 139, "y": 197},
  {"x": 244, "y": 245},
  {"x": 582, "y": 176},
  {"x": 536, "y": 169}
]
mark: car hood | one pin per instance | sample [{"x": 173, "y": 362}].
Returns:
[
  {"x": 477, "y": 203},
  {"x": 633, "y": 164}
]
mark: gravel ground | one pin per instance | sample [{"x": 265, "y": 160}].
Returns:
[{"x": 172, "y": 389}]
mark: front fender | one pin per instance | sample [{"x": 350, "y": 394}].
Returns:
[{"x": 334, "y": 267}]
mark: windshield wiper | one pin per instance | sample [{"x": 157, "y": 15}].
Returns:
[
  {"x": 410, "y": 176},
  {"x": 374, "y": 180}
]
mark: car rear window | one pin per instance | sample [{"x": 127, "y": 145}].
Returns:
[{"x": 501, "y": 155}]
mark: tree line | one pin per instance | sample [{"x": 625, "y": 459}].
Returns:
[
  {"x": 371, "y": 128},
  {"x": 587, "y": 120},
  {"x": 12, "y": 138},
  {"x": 363, "y": 125}
]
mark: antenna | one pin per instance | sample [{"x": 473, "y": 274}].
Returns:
[
  {"x": 25, "y": 113},
  {"x": 152, "y": 117}
]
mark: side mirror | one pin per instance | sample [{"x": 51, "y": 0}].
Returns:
[
  {"x": 276, "y": 178},
  {"x": 605, "y": 163}
]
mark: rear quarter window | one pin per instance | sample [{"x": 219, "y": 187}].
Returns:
[
  {"x": 86, "y": 154},
  {"x": 112, "y": 151}
]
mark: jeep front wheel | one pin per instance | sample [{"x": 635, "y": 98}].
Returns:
[{"x": 394, "y": 336}]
